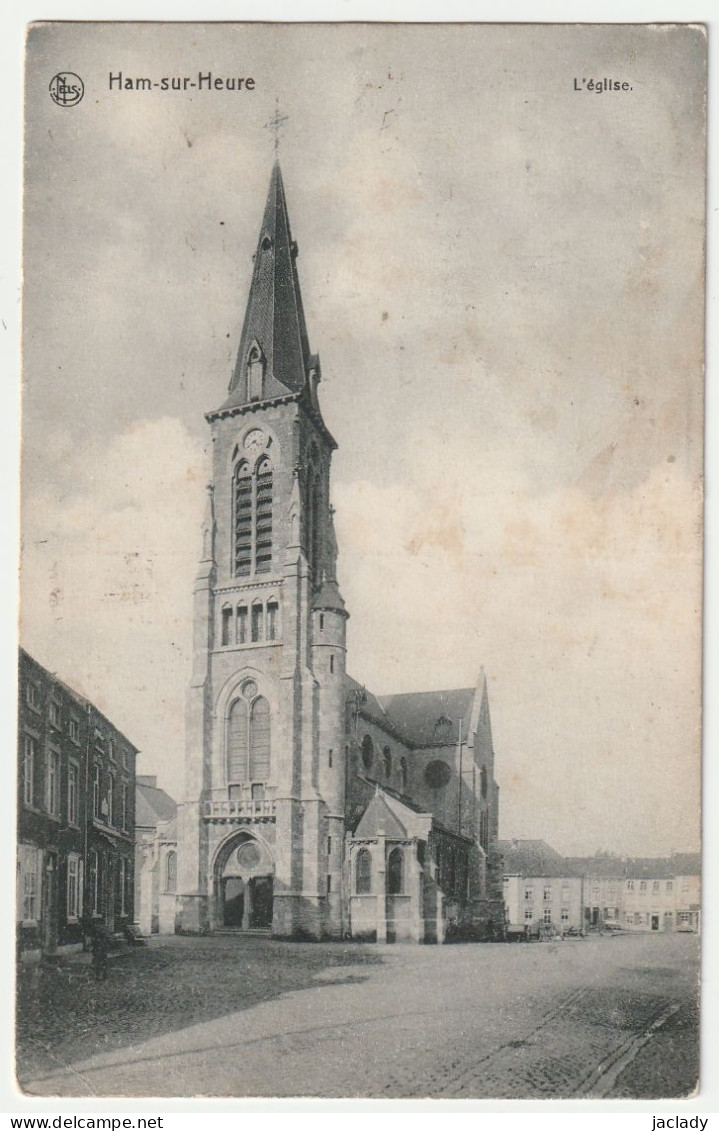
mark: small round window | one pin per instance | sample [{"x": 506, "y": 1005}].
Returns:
[{"x": 437, "y": 774}]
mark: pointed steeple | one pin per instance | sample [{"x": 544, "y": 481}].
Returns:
[{"x": 274, "y": 354}]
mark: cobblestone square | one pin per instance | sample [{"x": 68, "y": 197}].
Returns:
[{"x": 604, "y": 1016}]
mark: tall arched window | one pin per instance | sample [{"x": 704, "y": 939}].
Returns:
[
  {"x": 367, "y": 752},
  {"x": 171, "y": 873},
  {"x": 387, "y": 761},
  {"x": 263, "y": 522},
  {"x": 260, "y": 740},
  {"x": 243, "y": 520},
  {"x": 363, "y": 872},
  {"x": 403, "y": 776},
  {"x": 237, "y": 742},
  {"x": 395, "y": 872},
  {"x": 253, "y": 490}
]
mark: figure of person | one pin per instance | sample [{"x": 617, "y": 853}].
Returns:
[{"x": 99, "y": 954}]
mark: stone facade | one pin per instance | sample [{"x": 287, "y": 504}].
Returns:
[{"x": 286, "y": 754}]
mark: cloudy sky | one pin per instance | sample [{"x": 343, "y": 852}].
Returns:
[{"x": 503, "y": 278}]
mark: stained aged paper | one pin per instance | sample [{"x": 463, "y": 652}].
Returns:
[{"x": 497, "y": 237}]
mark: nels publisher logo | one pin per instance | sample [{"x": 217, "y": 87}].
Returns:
[{"x": 66, "y": 89}]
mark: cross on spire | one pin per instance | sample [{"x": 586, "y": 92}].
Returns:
[{"x": 275, "y": 122}]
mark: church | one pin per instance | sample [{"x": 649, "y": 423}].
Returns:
[{"x": 312, "y": 808}]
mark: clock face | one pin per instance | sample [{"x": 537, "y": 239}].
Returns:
[{"x": 254, "y": 440}]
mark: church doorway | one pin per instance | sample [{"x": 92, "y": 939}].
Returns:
[{"x": 244, "y": 872}]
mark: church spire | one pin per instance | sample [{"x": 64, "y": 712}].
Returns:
[{"x": 274, "y": 354}]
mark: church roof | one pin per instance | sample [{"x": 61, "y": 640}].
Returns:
[
  {"x": 529, "y": 858},
  {"x": 152, "y": 806},
  {"x": 429, "y": 718},
  {"x": 274, "y": 318}
]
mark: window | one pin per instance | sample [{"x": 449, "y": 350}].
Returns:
[
  {"x": 642, "y": 885},
  {"x": 243, "y": 520},
  {"x": 670, "y": 885},
  {"x": 547, "y": 916},
  {"x": 126, "y": 759},
  {"x": 387, "y": 761},
  {"x": 256, "y": 623},
  {"x": 547, "y": 891},
  {"x": 123, "y": 806},
  {"x": 403, "y": 777},
  {"x": 73, "y": 793},
  {"x": 263, "y": 522},
  {"x": 29, "y": 885},
  {"x": 171, "y": 873},
  {"x": 260, "y": 740},
  {"x": 248, "y": 737},
  {"x": 226, "y": 625},
  {"x": 528, "y": 914},
  {"x": 28, "y": 769},
  {"x": 272, "y": 611},
  {"x": 329, "y": 757},
  {"x": 32, "y": 697},
  {"x": 322, "y": 622},
  {"x": 255, "y": 364},
  {"x": 363, "y": 872},
  {"x": 655, "y": 885},
  {"x": 437, "y": 774},
  {"x": 74, "y": 886},
  {"x": 110, "y": 800},
  {"x": 332, "y": 665},
  {"x": 96, "y": 791},
  {"x": 99, "y": 744},
  {"x": 395, "y": 872},
  {"x": 74, "y": 728},
  {"x": 630, "y": 885},
  {"x": 367, "y": 752},
  {"x": 329, "y": 845},
  {"x": 52, "y": 785},
  {"x": 484, "y": 829},
  {"x": 529, "y": 893},
  {"x": 242, "y": 624},
  {"x": 565, "y": 914},
  {"x": 237, "y": 741},
  {"x": 111, "y": 749},
  {"x": 483, "y": 782},
  {"x": 54, "y": 713},
  {"x": 329, "y": 884}
]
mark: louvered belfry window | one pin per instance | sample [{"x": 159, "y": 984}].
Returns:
[
  {"x": 263, "y": 521},
  {"x": 253, "y": 491},
  {"x": 243, "y": 520}
]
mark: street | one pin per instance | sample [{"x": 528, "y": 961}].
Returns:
[{"x": 610, "y": 1016}]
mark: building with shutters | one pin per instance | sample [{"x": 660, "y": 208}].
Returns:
[
  {"x": 311, "y": 807},
  {"x": 76, "y": 816}
]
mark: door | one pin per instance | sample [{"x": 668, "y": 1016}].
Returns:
[
  {"x": 655, "y": 922},
  {"x": 233, "y": 901},
  {"x": 261, "y": 902},
  {"x": 49, "y": 904}
]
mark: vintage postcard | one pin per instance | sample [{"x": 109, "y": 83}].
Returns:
[{"x": 360, "y": 670}]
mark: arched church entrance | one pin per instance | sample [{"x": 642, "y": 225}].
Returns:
[{"x": 244, "y": 874}]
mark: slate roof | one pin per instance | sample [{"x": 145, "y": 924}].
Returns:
[
  {"x": 152, "y": 806},
  {"x": 274, "y": 317},
  {"x": 687, "y": 864},
  {"x": 429, "y": 718},
  {"x": 533, "y": 858}
]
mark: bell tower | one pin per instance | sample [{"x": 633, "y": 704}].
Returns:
[{"x": 261, "y": 824}]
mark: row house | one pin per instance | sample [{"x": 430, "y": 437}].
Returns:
[
  {"x": 76, "y": 816},
  {"x": 642, "y": 893},
  {"x": 542, "y": 892}
]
